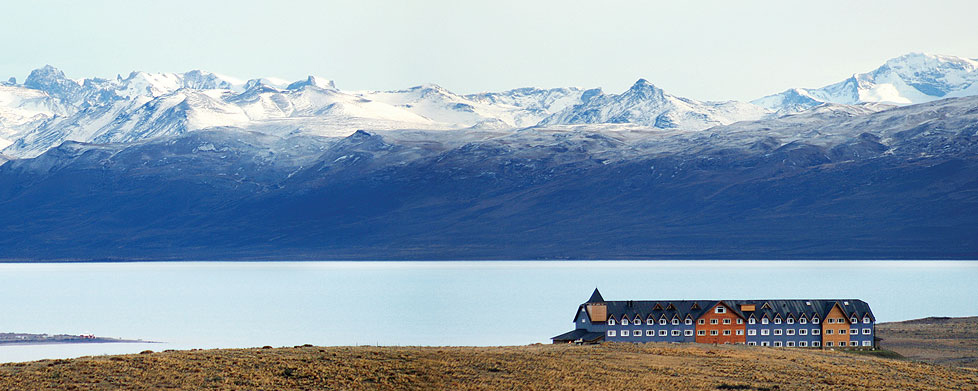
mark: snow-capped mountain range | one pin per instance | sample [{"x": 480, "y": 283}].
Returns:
[{"x": 48, "y": 108}]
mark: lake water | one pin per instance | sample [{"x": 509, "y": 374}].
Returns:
[{"x": 223, "y": 305}]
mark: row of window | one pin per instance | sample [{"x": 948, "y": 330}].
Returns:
[
  {"x": 814, "y": 344},
  {"x": 650, "y": 333},
  {"x": 650, "y": 322},
  {"x": 717, "y": 332},
  {"x": 805, "y": 332},
  {"x": 854, "y": 320}
]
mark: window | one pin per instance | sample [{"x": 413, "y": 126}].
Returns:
[
  {"x": 637, "y": 321},
  {"x": 814, "y": 320},
  {"x": 853, "y": 343},
  {"x": 831, "y": 320},
  {"x": 777, "y": 320},
  {"x": 650, "y": 321},
  {"x": 675, "y": 321},
  {"x": 624, "y": 333},
  {"x": 726, "y": 321},
  {"x": 790, "y": 331},
  {"x": 866, "y": 320},
  {"x": 675, "y": 333},
  {"x": 714, "y": 321},
  {"x": 854, "y": 320},
  {"x": 752, "y": 343},
  {"x": 701, "y": 332},
  {"x": 802, "y": 320},
  {"x": 854, "y": 331},
  {"x": 688, "y": 333},
  {"x": 726, "y": 332},
  {"x": 842, "y": 331},
  {"x": 751, "y": 321},
  {"x": 649, "y": 333},
  {"x": 828, "y": 332},
  {"x": 624, "y": 322},
  {"x": 662, "y": 321},
  {"x": 740, "y": 332},
  {"x": 765, "y": 332},
  {"x": 740, "y": 321},
  {"x": 689, "y": 321},
  {"x": 637, "y": 333},
  {"x": 816, "y": 344},
  {"x": 777, "y": 344},
  {"x": 803, "y": 344},
  {"x": 840, "y": 320},
  {"x": 778, "y": 331},
  {"x": 751, "y": 332},
  {"x": 803, "y": 332},
  {"x": 790, "y": 321},
  {"x": 816, "y": 331},
  {"x": 764, "y": 321},
  {"x": 662, "y": 333},
  {"x": 721, "y": 310},
  {"x": 714, "y": 332},
  {"x": 867, "y": 343},
  {"x": 867, "y": 331},
  {"x": 828, "y": 343},
  {"x": 791, "y": 344},
  {"x": 845, "y": 303},
  {"x": 611, "y": 322},
  {"x": 765, "y": 343},
  {"x": 611, "y": 333},
  {"x": 701, "y": 321}
]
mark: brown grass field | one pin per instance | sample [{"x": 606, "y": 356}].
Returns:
[
  {"x": 535, "y": 367},
  {"x": 944, "y": 341}
]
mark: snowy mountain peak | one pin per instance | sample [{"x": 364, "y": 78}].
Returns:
[
  {"x": 51, "y": 80},
  {"x": 908, "y": 79},
  {"x": 313, "y": 81}
]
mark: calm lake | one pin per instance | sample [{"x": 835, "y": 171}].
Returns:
[{"x": 223, "y": 305}]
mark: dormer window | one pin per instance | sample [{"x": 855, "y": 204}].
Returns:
[
  {"x": 650, "y": 321},
  {"x": 662, "y": 321},
  {"x": 814, "y": 320},
  {"x": 802, "y": 320},
  {"x": 721, "y": 310},
  {"x": 777, "y": 320},
  {"x": 751, "y": 320},
  {"x": 790, "y": 321},
  {"x": 764, "y": 321},
  {"x": 611, "y": 321},
  {"x": 624, "y": 321},
  {"x": 854, "y": 320},
  {"x": 637, "y": 321},
  {"x": 866, "y": 320},
  {"x": 675, "y": 321},
  {"x": 689, "y": 321}
]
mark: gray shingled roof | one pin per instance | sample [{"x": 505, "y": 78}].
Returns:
[{"x": 581, "y": 334}]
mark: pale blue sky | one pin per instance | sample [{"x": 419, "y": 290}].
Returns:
[{"x": 698, "y": 49}]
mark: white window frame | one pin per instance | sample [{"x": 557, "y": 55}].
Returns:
[
  {"x": 778, "y": 331},
  {"x": 740, "y": 332},
  {"x": 714, "y": 332},
  {"x": 649, "y": 333},
  {"x": 853, "y": 343},
  {"x": 689, "y": 322},
  {"x": 726, "y": 321},
  {"x": 790, "y": 321},
  {"x": 853, "y": 331},
  {"x": 814, "y": 320},
  {"x": 675, "y": 322},
  {"x": 764, "y": 321},
  {"x": 751, "y": 321},
  {"x": 726, "y": 332},
  {"x": 721, "y": 310},
  {"x": 650, "y": 322},
  {"x": 803, "y": 332},
  {"x": 752, "y": 343},
  {"x": 751, "y": 332},
  {"x": 828, "y": 344},
  {"x": 790, "y": 344},
  {"x": 777, "y": 320},
  {"x": 701, "y": 321},
  {"x": 624, "y": 322},
  {"x": 624, "y": 333},
  {"x": 765, "y": 332},
  {"x": 676, "y": 333},
  {"x": 802, "y": 320},
  {"x": 611, "y": 322},
  {"x": 843, "y": 331},
  {"x": 636, "y": 333},
  {"x": 803, "y": 344},
  {"x": 816, "y": 344},
  {"x": 765, "y": 343},
  {"x": 663, "y": 321},
  {"x": 790, "y": 332},
  {"x": 866, "y": 320},
  {"x": 611, "y": 333},
  {"x": 700, "y": 332},
  {"x": 663, "y": 333},
  {"x": 867, "y": 343},
  {"x": 853, "y": 320},
  {"x": 688, "y": 333},
  {"x": 637, "y": 321},
  {"x": 816, "y": 332},
  {"x": 867, "y": 331},
  {"x": 829, "y": 332},
  {"x": 777, "y": 344},
  {"x": 714, "y": 321}
]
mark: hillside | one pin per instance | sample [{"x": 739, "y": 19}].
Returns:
[
  {"x": 945, "y": 341},
  {"x": 538, "y": 367}
]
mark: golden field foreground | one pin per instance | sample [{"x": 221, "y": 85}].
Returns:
[{"x": 535, "y": 367}]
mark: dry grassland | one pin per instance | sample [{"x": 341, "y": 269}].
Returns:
[
  {"x": 537, "y": 367},
  {"x": 944, "y": 341}
]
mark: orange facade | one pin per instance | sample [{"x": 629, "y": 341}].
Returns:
[
  {"x": 720, "y": 324},
  {"x": 835, "y": 328}
]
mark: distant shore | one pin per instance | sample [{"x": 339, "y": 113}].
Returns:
[{"x": 9, "y": 339}]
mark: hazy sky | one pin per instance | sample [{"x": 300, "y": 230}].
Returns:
[{"x": 699, "y": 49}]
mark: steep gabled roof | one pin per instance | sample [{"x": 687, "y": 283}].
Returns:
[{"x": 596, "y": 297}]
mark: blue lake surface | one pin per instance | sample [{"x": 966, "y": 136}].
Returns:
[{"x": 225, "y": 305}]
